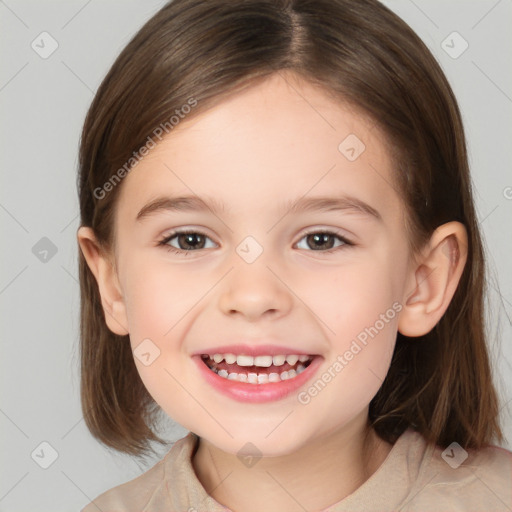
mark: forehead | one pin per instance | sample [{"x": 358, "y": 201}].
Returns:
[{"x": 274, "y": 142}]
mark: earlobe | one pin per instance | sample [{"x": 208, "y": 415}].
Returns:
[
  {"x": 104, "y": 272},
  {"x": 433, "y": 280}
]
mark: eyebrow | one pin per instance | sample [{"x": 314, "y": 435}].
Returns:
[{"x": 303, "y": 204}]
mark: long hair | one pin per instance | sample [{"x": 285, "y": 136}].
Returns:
[{"x": 362, "y": 53}]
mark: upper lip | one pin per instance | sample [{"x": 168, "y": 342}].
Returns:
[{"x": 254, "y": 350}]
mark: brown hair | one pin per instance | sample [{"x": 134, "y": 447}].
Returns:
[{"x": 358, "y": 50}]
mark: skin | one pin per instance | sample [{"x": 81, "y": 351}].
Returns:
[{"x": 274, "y": 142}]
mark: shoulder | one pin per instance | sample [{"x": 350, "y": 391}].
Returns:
[
  {"x": 456, "y": 479},
  {"x": 132, "y": 495},
  {"x": 148, "y": 489}
]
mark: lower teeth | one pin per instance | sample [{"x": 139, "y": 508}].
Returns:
[{"x": 260, "y": 378}]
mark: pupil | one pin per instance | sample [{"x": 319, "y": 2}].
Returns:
[{"x": 322, "y": 238}]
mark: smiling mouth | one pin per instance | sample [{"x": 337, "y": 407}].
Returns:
[{"x": 259, "y": 369}]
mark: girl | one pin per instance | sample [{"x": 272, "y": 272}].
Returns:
[{"x": 279, "y": 250}]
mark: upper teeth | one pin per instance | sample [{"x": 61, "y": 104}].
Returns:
[{"x": 264, "y": 361}]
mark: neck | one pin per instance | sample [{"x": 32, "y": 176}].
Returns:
[{"x": 320, "y": 473}]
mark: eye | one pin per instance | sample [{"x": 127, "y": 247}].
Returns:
[
  {"x": 186, "y": 240},
  {"x": 324, "y": 241}
]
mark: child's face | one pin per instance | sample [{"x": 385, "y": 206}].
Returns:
[{"x": 255, "y": 153}]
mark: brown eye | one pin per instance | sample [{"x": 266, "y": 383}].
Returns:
[
  {"x": 323, "y": 241},
  {"x": 186, "y": 241},
  {"x": 320, "y": 241}
]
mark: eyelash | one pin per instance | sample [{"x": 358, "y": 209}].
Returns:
[{"x": 165, "y": 241}]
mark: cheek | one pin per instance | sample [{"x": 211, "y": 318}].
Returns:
[
  {"x": 158, "y": 298},
  {"x": 358, "y": 308},
  {"x": 156, "y": 301},
  {"x": 349, "y": 298},
  {"x": 363, "y": 319}
]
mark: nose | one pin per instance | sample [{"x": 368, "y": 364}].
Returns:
[{"x": 255, "y": 291}]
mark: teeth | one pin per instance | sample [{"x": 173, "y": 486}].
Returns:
[
  {"x": 263, "y": 361},
  {"x": 245, "y": 361},
  {"x": 252, "y": 378},
  {"x": 292, "y": 359},
  {"x": 230, "y": 358},
  {"x": 260, "y": 378},
  {"x": 279, "y": 360}
]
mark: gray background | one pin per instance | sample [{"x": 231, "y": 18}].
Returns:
[{"x": 42, "y": 106}]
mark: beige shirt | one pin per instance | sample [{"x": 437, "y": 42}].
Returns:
[{"x": 413, "y": 477}]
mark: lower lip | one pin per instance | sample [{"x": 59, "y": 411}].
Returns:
[{"x": 257, "y": 393}]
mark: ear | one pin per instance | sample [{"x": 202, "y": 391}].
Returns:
[
  {"x": 103, "y": 270},
  {"x": 433, "y": 279}
]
